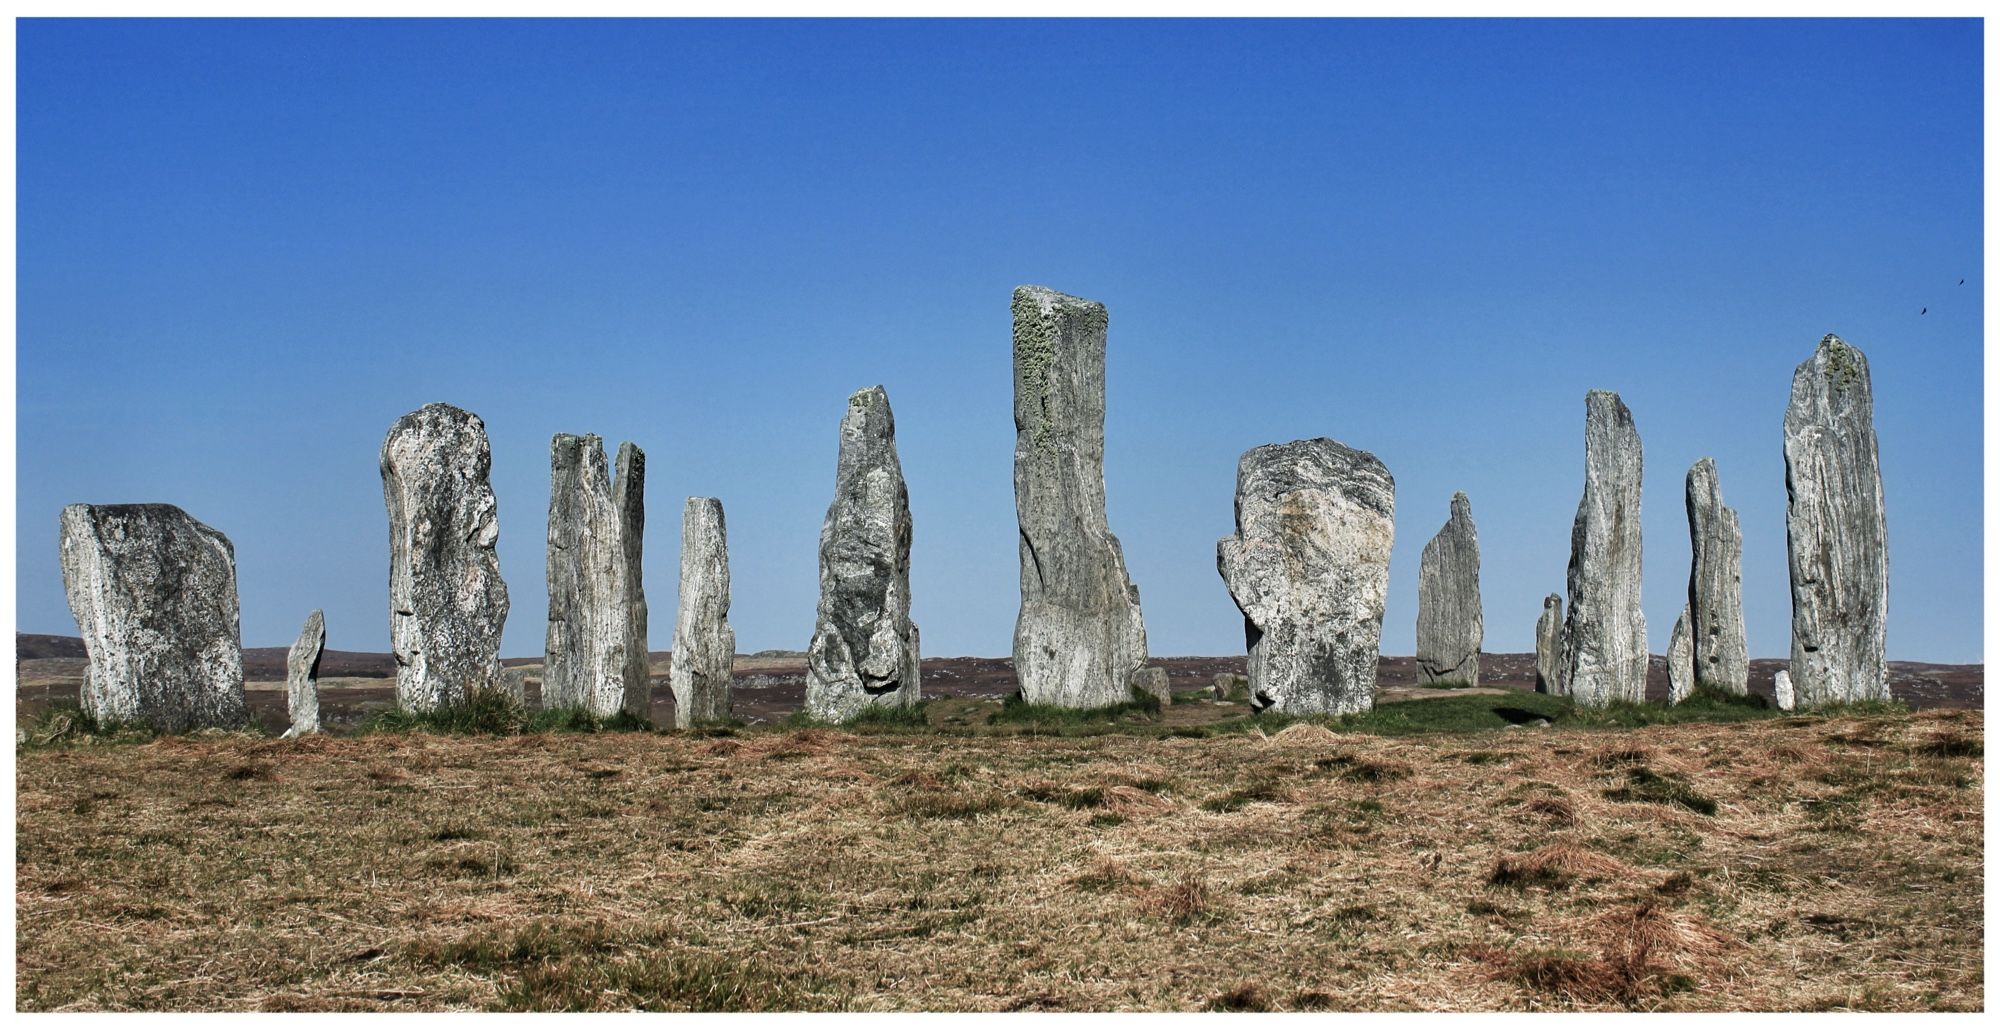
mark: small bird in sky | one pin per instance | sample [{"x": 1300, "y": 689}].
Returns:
[
  {"x": 1961, "y": 282},
  {"x": 1925, "y": 311}
]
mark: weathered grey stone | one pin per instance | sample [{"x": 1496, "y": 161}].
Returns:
[
  {"x": 864, "y": 646},
  {"x": 1450, "y": 624},
  {"x": 1604, "y": 640},
  {"x": 1152, "y": 681},
  {"x": 1782, "y": 685},
  {"x": 447, "y": 602},
  {"x": 1309, "y": 567},
  {"x": 1548, "y": 646},
  {"x": 302, "y": 676},
  {"x": 1230, "y": 684},
  {"x": 595, "y": 658},
  {"x": 1680, "y": 659},
  {"x": 154, "y": 594},
  {"x": 1715, "y": 584},
  {"x": 704, "y": 645},
  {"x": 513, "y": 682},
  {"x": 1080, "y": 635},
  {"x": 1835, "y": 530}
]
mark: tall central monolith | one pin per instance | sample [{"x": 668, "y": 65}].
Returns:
[
  {"x": 1604, "y": 640},
  {"x": 1080, "y": 636},
  {"x": 1450, "y": 625},
  {"x": 1715, "y": 584},
  {"x": 704, "y": 643},
  {"x": 595, "y": 659}
]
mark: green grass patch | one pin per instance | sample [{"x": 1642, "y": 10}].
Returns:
[
  {"x": 486, "y": 712},
  {"x": 66, "y": 723},
  {"x": 577, "y": 720},
  {"x": 1054, "y": 720}
]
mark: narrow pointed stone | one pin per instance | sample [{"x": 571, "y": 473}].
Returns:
[
  {"x": 1781, "y": 685},
  {"x": 447, "y": 602},
  {"x": 1080, "y": 635},
  {"x": 1835, "y": 530},
  {"x": 154, "y": 595},
  {"x": 595, "y": 658},
  {"x": 704, "y": 645},
  {"x": 1715, "y": 584},
  {"x": 1450, "y": 625},
  {"x": 1309, "y": 568},
  {"x": 1604, "y": 640},
  {"x": 302, "y": 676},
  {"x": 1680, "y": 659},
  {"x": 864, "y": 646},
  {"x": 1548, "y": 646}
]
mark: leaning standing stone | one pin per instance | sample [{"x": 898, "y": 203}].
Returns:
[
  {"x": 704, "y": 645},
  {"x": 154, "y": 594},
  {"x": 864, "y": 648},
  {"x": 1548, "y": 646},
  {"x": 1715, "y": 584},
  {"x": 1680, "y": 660},
  {"x": 302, "y": 676},
  {"x": 1080, "y": 636},
  {"x": 1450, "y": 626},
  {"x": 1781, "y": 685},
  {"x": 596, "y": 653},
  {"x": 447, "y": 603},
  {"x": 1604, "y": 641},
  {"x": 1835, "y": 530},
  {"x": 1309, "y": 567}
]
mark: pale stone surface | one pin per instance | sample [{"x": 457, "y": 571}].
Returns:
[
  {"x": 1309, "y": 568},
  {"x": 864, "y": 646},
  {"x": 154, "y": 594},
  {"x": 1835, "y": 530},
  {"x": 1080, "y": 635},
  {"x": 513, "y": 683},
  {"x": 1548, "y": 646},
  {"x": 447, "y": 602},
  {"x": 595, "y": 659},
  {"x": 1782, "y": 684},
  {"x": 1680, "y": 659},
  {"x": 1604, "y": 639},
  {"x": 704, "y": 645},
  {"x": 1450, "y": 624},
  {"x": 1228, "y": 684},
  {"x": 302, "y": 676},
  {"x": 1715, "y": 584},
  {"x": 1152, "y": 682}
]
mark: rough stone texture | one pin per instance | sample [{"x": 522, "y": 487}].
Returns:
[
  {"x": 1080, "y": 635},
  {"x": 1152, "y": 681},
  {"x": 1450, "y": 625},
  {"x": 595, "y": 658},
  {"x": 1835, "y": 530},
  {"x": 864, "y": 646},
  {"x": 1715, "y": 584},
  {"x": 447, "y": 603},
  {"x": 1309, "y": 567},
  {"x": 1604, "y": 640},
  {"x": 154, "y": 594},
  {"x": 704, "y": 645},
  {"x": 513, "y": 683},
  {"x": 1781, "y": 685},
  {"x": 1229, "y": 684},
  {"x": 1549, "y": 646},
  {"x": 302, "y": 676},
  {"x": 1680, "y": 659}
]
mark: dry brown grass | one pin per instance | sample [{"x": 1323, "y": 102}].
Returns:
[{"x": 817, "y": 869}]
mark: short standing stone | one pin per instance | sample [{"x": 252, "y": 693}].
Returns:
[
  {"x": 1080, "y": 636},
  {"x": 596, "y": 652},
  {"x": 1715, "y": 584},
  {"x": 447, "y": 603},
  {"x": 1309, "y": 568},
  {"x": 1781, "y": 684},
  {"x": 302, "y": 676},
  {"x": 1450, "y": 626},
  {"x": 704, "y": 645},
  {"x": 1604, "y": 641},
  {"x": 1153, "y": 682},
  {"x": 1835, "y": 530},
  {"x": 1548, "y": 646},
  {"x": 1680, "y": 660},
  {"x": 154, "y": 594},
  {"x": 1229, "y": 684},
  {"x": 864, "y": 646}
]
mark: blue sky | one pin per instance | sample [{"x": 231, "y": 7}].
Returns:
[{"x": 245, "y": 248}]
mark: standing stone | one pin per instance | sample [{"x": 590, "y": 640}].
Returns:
[
  {"x": 1835, "y": 530},
  {"x": 1549, "y": 646},
  {"x": 1450, "y": 626},
  {"x": 704, "y": 645},
  {"x": 864, "y": 648},
  {"x": 1153, "y": 682},
  {"x": 302, "y": 676},
  {"x": 1080, "y": 635},
  {"x": 154, "y": 594},
  {"x": 1715, "y": 584},
  {"x": 1781, "y": 684},
  {"x": 1604, "y": 641},
  {"x": 1309, "y": 567},
  {"x": 596, "y": 654},
  {"x": 1680, "y": 659},
  {"x": 447, "y": 603}
]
